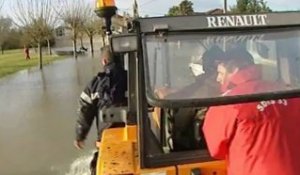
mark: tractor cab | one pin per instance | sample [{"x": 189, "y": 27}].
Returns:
[{"x": 170, "y": 88}]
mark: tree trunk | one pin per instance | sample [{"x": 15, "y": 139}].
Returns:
[
  {"x": 103, "y": 40},
  {"x": 2, "y": 50},
  {"x": 81, "y": 41},
  {"x": 35, "y": 49},
  {"x": 75, "y": 48},
  {"x": 92, "y": 45},
  {"x": 75, "y": 35},
  {"x": 49, "y": 47},
  {"x": 40, "y": 55}
]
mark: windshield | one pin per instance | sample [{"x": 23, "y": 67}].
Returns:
[{"x": 196, "y": 66}]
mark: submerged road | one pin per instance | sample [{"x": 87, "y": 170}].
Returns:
[{"x": 38, "y": 110}]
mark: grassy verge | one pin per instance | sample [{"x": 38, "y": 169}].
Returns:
[{"x": 14, "y": 60}]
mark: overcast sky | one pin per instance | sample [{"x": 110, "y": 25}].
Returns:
[{"x": 160, "y": 7}]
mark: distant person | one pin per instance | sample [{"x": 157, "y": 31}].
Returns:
[
  {"x": 107, "y": 89},
  {"x": 257, "y": 138},
  {"x": 26, "y": 52}
]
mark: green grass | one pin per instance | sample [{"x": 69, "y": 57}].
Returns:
[{"x": 14, "y": 60}]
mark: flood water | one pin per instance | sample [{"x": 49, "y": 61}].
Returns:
[{"x": 38, "y": 110}]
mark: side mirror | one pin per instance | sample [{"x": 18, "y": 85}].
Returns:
[{"x": 124, "y": 43}]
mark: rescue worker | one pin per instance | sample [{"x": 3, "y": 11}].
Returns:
[
  {"x": 106, "y": 89},
  {"x": 257, "y": 138},
  {"x": 185, "y": 137},
  {"x": 205, "y": 84}
]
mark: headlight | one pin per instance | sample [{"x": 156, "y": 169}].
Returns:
[{"x": 124, "y": 43}]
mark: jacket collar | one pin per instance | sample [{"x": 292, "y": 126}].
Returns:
[
  {"x": 250, "y": 73},
  {"x": 109, "y": 68}
]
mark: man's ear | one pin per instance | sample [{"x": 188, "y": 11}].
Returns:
[{"x": 104, "y": 62}]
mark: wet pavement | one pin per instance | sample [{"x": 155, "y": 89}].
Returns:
[{"x": 38, "y": 110}]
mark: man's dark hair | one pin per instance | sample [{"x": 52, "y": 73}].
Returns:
[
  {"x": 237, "y": 57},
  {"x": 211, "y": 57}
]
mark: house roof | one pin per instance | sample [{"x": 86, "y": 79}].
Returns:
[
  {"x": 211, "y": 12},
  {"x": 215, "y": 11}
]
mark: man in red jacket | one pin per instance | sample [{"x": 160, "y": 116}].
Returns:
[{"x": 258, "y": 138}]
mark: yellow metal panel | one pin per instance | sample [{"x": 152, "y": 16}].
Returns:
[
  {"x": 130, "y": 133},
  {"x": 116, "y": 158},
  {"x": 119, "y": 154},
  {"x": 113, "y": 135},
  {"x": 167, "y": 170},
  {"x": 117, "y": 151},
  {"x": 207, "y": 168}
]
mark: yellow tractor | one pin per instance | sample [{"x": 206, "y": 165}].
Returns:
[{"x": 162, "y": 134}]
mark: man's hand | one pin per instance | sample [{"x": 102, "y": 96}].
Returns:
[
  {"x": 163, "y": 92},
  {"x": 79, "y": 144}
]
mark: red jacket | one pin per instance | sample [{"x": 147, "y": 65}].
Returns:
[{"x": 259, "y": 138}]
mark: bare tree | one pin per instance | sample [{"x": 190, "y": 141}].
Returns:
[
  {"x": 92, "y": 27},
  {"x": 37, "y": 18},
  {"x": 49, "y": 31},
  {"x": 81, "y": 37},
  {"x": 1, "y": 4},
  {"x": 26, "y": 40},
  {"x": 5, "y": 26},
  {"x": 74, "y": 13}
]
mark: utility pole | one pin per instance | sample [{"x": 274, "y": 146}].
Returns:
[
  {"x": 224, "y": 11},
  {"x": 135, "y": 9},
  {"x": 225, "y": 6}
]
